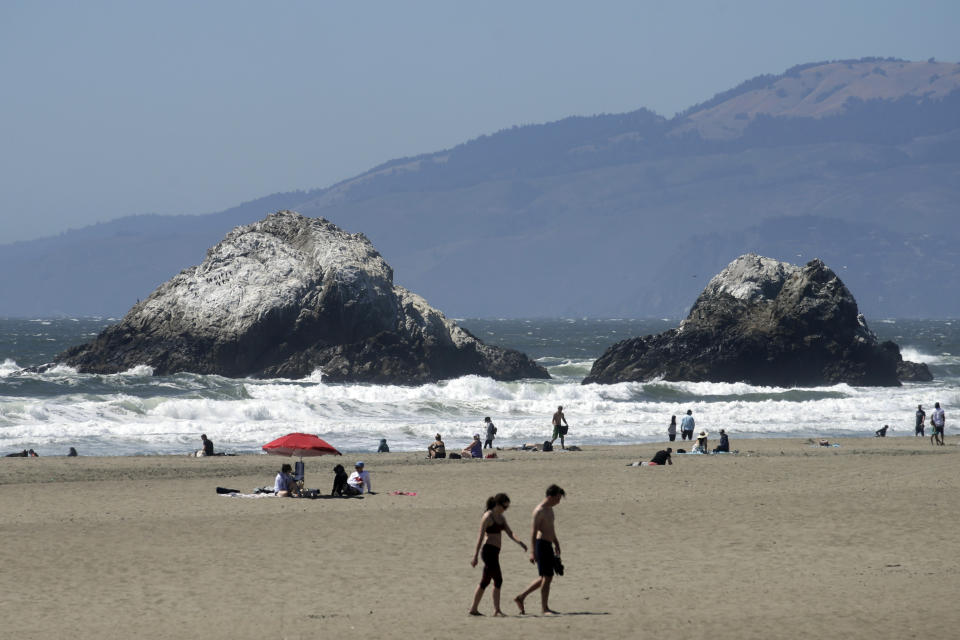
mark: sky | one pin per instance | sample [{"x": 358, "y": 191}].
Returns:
[{"x": 111, "y": 109}]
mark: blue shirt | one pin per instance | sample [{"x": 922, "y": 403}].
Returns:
[{"x": 687, "y": 423}]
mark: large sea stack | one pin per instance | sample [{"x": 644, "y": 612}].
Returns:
[
  {"x": 284, "y": 297},
  {"x": 764, "y": 322}
]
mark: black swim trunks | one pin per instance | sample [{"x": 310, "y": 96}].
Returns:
[{"x": 545, "y": 558}]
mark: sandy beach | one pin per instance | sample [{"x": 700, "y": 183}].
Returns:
[{"x": 783, "y": 540}]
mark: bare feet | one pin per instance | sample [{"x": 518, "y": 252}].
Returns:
[
  {"x": 550, "y": 612},
  {"x": 499, "y": 614},
  {"x": 519, "y": 602},
  {"x": 474, "y": 613}
]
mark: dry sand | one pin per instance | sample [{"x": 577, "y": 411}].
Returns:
[{"x": 784, "y": 540}]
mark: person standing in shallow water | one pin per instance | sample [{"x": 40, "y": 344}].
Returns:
[
  {"x": 544, "y": 549},
  {"x": 921, "y": 418},
  {"x": 488, "y": 547},
  {"x": 672, "y": 429},
  {"x": 938, "y": 421},
  {"x": 560, "y": 427},
  {"x": 686, "y": 426}
]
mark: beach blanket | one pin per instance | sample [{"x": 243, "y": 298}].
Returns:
[
  {"x": 248, "y": 495},
  {"x": 403, "y": 493}
]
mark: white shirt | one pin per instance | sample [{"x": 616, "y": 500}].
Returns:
[
  {"x": 938, "y": 418},
  {"x": 360, "y": 479},
  {"x": 282, "y": 483}
]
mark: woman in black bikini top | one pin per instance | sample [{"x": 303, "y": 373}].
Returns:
[{"x": 492, "y": 523}]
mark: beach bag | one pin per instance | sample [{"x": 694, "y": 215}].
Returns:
[
  {"x": 563, "y": 429},
  {"x": 547, "y": 445}
]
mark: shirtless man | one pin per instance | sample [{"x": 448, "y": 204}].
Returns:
[
  {"x": 543, "y": 543},
  {"x": 558, "y": 429}
]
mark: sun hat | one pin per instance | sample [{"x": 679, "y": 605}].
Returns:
[{"x": 703, "y": 434}]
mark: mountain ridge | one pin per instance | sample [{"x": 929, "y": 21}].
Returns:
[{"x": 598, "y": 215}]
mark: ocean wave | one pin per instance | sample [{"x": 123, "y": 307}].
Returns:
[
  {"x": 136, "y": 413},
  {"x": 8, "y": 367},
  {"x": 914, "y": 355}
]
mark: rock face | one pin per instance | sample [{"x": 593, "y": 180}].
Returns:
[
  {"x": 763, "y": 322},
  {"x": 284, "y": 297}
]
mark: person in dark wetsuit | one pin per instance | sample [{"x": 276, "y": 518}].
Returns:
[
  {"x": 207, "y": 445},
  {"x": 662, "y": 456},
  {"x": 488, "y": 547}
]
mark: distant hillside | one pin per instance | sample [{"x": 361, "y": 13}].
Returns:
[{"x": 857, "y": 162}]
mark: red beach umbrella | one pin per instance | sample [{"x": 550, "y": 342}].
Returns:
[{"x": 300, "y": 444}]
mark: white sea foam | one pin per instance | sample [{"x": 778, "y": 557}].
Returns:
[
  {"x": 913, "y": 355},
  {"x": 240, "y": 415},
  {"x": 8, "y": 367}
]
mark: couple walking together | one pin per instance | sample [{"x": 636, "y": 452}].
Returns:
[{"x": 544, "y": 550}]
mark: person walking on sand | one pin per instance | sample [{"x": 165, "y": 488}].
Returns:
[
  {"x": 558, "y": 428},
  {"x": 921, "y": 418},
  {"x": 938, "y": 420},
  {"x": 686, "y": 426},
  {"x": 491, "y": 433},
  {"x": 488, "y": 548},
  {"x": 544, "y": 549},
  {"x": 672, "y": 429}
]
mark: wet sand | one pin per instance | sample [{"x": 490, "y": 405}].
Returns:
[{"x": 784, "y": 540}]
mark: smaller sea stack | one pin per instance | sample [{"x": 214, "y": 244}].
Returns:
[{"x": 767, "y": 323}]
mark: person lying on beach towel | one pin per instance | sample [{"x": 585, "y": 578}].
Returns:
[{"x": 662, "y": 456}]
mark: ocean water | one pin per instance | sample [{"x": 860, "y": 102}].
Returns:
[{"x": 138, "y": 413}]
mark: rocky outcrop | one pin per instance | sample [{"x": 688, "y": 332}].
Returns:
[
  {"x": 766, "y": 323},
  {"x": 284, "y": 297}
]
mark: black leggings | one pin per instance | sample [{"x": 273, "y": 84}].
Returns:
[{"x": 491, "y": 566}]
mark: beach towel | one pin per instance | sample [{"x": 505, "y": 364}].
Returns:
[{"x": 403, "y": 493}]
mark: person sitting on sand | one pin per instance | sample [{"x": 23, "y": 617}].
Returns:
[
  {"x": 284, "y": 485},
  {"x": 701, "y": 444},
  {"x": 207, "y": 445},
  {"x": 72, "y": 453},
  {"x": 724, "y": 446},
  {"x": 437, "y": 449},
  {"x": 882, "y": 432},
  {"x": 474, "y": 449},
  {"x": 383, "y": 448},
  {"x": 662, "y": 457},
  {"x": 359, "y": 480}
]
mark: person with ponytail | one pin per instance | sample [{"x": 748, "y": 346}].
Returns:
[{"x": 492, "y": 524}]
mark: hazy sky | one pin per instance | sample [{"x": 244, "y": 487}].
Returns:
[{"x": 118, "y": 108}]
